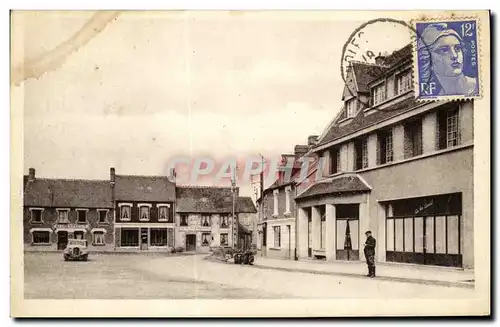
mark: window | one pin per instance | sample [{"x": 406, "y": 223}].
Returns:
[
  {"x": 224, "y": 221},
  {"x": 205, "y": 220},
  {"x": 98, "y": 238},
  {"x": 41, "y": 237},
  {"x": 144, "y": 212},
  {"x": 130, "y": 237},
  {"x": 277, "y": 236},
  {"x": 350, "y": 108},
  {"x": 63, "y": 216},
  {"x": 403, "y": 83},
  {"x": 36, "y": 216},
  {"x": 223, "y": 239},
  {"x": 334, "y": 161},
  {"x": 205, "y": 239},
  {"x": 385, "y": 146},
  {"x": 275, "y": 207},
  {"x": 379, "y": 94},
  {"x": 78, "y": 235},
  {"x": 288, "y": 195},
  {"x": 361, "y": 153},
  {"x": 158, "y": 236},
  {"x": 125, "y": 212},
  {"x": 82, "y": 216},
  {"x": 103, "y": 216},
  {"x": 164, "y": 213},
  {"x": 413, "y": 139},
  {"x": 448, "y": 132},
  {"x": 184, "y": 220}
]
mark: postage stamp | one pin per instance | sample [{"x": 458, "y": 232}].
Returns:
[{"x": 446, "y": 64}]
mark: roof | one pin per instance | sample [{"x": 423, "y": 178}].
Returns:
[
  {"x": 144, "y": 188},
  {"x": 246, "y": 205},
  {"x": 43, "y": 192},
  {"x": 343, "y": 184},
  {"x": 362, "y": 121},
  {"x": 204, "y": 199}
]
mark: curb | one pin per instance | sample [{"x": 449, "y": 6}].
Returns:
[{"x": 469, "y": 285}]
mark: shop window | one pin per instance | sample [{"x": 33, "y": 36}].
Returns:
[
  {"x": 98, "y": 238},
  {"x": 429, "y": 234},
  {"x": 453, "y": 236},
  {"x": 205, "y": 220},
  {"x": 323, "y": 232},
  {"x": 413, "y": 138},
  {"x": 419, "y": 234},
  {"x": 277, "y": 236},
  {"x": 205, "y": 239},
  {"x": 159, "y": 236},
  {"x": 398, "y": 230},
  {"x": 41, "y": 237},
  {"x": 440, "y": 234},
  {"x": 408, "y": 232},
  {"x": 130, "y": 237},
  {"x": 36, "y": 216},
  {"x": 223, "y": 239},
  {"x": 389, "y": 235}
]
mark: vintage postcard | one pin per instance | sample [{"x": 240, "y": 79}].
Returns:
[{"x": 250, "y": 163}]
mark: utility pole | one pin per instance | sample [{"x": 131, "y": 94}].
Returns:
[{"x": 234, "y": 220}]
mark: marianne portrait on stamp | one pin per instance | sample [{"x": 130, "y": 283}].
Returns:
[{"x": 441, "y": 53}]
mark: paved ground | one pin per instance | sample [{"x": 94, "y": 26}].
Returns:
[{"x": 156, "y": 276}]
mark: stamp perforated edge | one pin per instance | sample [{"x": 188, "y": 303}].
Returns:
[{"x": 450, "y": 18}]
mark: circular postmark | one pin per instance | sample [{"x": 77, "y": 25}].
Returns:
[{"x": 372, "y": 40}]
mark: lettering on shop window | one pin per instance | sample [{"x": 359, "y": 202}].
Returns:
[{"x": 424, "y": 206}]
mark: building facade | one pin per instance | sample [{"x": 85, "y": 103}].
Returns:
[
  {"x": 56, "y": 210},
  {"x": 400, "y": 168},
  {"x": 144, "y": 207}
]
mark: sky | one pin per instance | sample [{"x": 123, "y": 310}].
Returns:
[{"x": 155, "y": 85}]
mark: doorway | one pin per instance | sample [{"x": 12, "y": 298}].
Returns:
[
  {"x": 62, "y": 240},
  {"x": 191, "y": 242},
  {"x": 347, "y": 235}
]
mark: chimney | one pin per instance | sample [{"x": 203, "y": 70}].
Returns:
[
  {"x": 31, "y": 176},
  {"x": 312, "y": 139},
  {"x": 112, "y": 176},
  {"x": 300, "y": 150},
  {"x": 379, "y": 60},
  {"x": 172, "y": 175}
]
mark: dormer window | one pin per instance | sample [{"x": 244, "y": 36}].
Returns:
[
  {"x": 403, "y": 82},
  {"x": 379, "y": 94},
  {"x": 350, "y": 108}
]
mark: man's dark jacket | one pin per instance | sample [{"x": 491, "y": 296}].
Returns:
[{"x": 370, "y": 246}]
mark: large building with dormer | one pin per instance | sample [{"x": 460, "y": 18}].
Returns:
[{"x": 389, "y": 164}]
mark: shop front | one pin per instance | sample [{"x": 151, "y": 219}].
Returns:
[
  {"x": 144, "y": 238},
  {"x": 425, "y": 230}
]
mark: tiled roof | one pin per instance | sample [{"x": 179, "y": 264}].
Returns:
[
  {"x": 204, "y": 199},
  {"x": 365, "y": 73},
  {"x": 68, "y": 193},
  {"x": 246, "y": 205},
  {"x": 144, "y": 188},
  {"x": 338, "y": 185},
  {"x": 395, "y": 58},
  {"x": 362, "y": 121}
]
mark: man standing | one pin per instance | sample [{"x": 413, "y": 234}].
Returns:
[{"x": 370, "y": 253}]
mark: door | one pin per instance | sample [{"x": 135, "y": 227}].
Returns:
[
  {"x": 191, "y": 242},
  {"x": 62, "y": 240},
  {"x": 144, "y": 239},
  {"x": 347, "y": 239}
]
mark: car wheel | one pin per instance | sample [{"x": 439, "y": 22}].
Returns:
[
  {"x": 85, "y": 257},
  {"x": 251, "y": 260}
]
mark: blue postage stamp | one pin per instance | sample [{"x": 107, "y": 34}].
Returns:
[{"x": 447, "y": 59}]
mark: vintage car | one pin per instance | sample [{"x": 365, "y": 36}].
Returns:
[{"x": 76, "y": 250}]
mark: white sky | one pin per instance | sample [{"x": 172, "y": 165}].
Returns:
[{"x": 155, "y": 85}]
